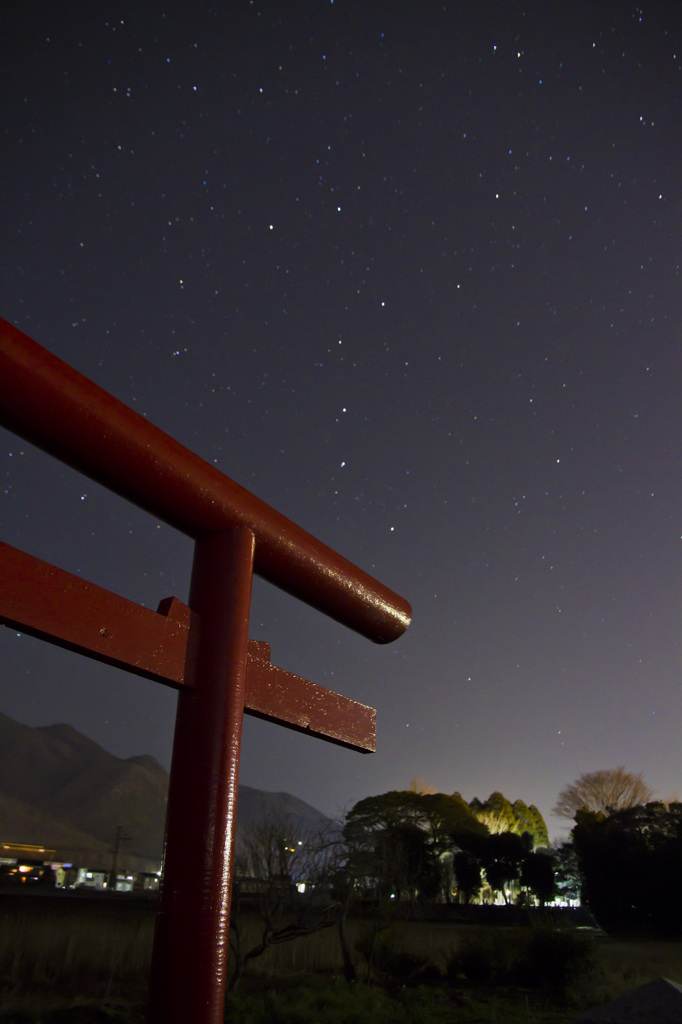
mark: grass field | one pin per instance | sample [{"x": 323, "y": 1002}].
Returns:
[{"x": 59, "y": 956}]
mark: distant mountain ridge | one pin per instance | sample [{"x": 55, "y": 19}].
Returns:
[{"x": 63, "y": 791}]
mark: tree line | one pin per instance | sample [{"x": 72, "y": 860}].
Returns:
[
  {"x": 622, "y": 859},
  {"x": 435, "y": 847}
]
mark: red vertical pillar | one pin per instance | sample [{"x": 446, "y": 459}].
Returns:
[{"x": 189, "y": 962}]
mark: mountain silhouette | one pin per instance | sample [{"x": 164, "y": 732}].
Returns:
[{"x": 61, "y": 790}]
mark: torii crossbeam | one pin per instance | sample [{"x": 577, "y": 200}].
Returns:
[{"x": 201, "y": 649}]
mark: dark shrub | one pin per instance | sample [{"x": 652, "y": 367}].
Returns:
[
  {"x": 484, "y": 960},
  {"x": 556, "y": 959},
  {"x": 477, "y": 964},
  {"x": 406, "y": 968}
]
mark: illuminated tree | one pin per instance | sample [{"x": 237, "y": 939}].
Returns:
[
  {"x": 499, "y": 815},
  {"x": 421, "y": 786},
  {"x": 539, "y": 832},
  {"x": 496, "y": 813},
  {"x": 566, "y": 870},
  {"x": 528, "y": 820}
]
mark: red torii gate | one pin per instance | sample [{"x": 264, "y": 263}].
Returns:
[{"x": 203, "y": 650}]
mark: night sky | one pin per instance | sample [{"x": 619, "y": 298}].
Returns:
[{"x": 410, "y": 272}]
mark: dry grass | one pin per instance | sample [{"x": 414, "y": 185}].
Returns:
[
  {"x": 69, "y": 952},
  {"x": 625, "y": 965},
  {"x": 60, "y": 953}
]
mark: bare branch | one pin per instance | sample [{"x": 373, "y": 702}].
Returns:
[{"x": 606, "y": 791}]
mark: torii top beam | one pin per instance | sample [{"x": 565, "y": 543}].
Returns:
[{"x": 52, "y": 406}]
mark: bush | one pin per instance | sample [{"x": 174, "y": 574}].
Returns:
[
  {"x": 556, "y": 959},
  {"x": 478, "y": 965},
  {"x": 389, "y": 964},
  {"x": 549, "y": 959},
  {"x": 484, "y": 960}
]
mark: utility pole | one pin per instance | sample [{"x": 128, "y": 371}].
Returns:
[{"x": 118, "y": 839}]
